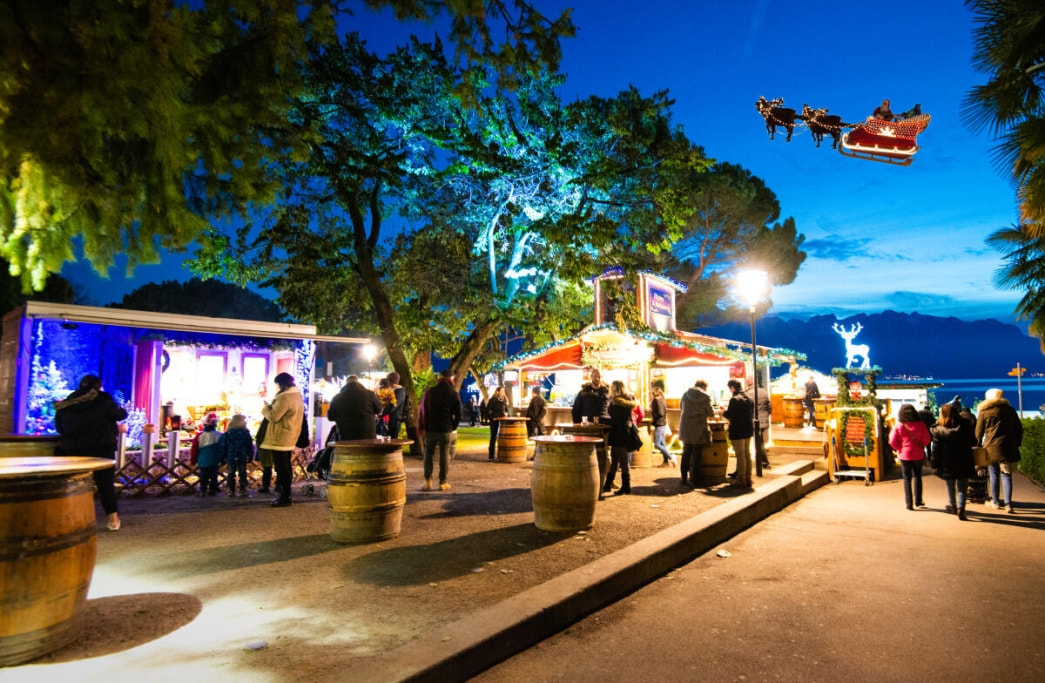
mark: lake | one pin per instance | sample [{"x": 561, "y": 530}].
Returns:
[{"x": 972, "y": 390}]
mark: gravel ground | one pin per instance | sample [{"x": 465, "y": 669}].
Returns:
[{"x": 230, "y": 589}]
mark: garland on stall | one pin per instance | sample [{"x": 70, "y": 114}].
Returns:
[{"x": 845, "y": 376}]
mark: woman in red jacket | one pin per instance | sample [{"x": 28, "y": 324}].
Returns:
[{"x": 909, "y": 439}]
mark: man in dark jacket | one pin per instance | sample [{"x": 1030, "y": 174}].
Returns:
[
  {"x": 355, "y": 410},
  {"x": 86, "y": 423},
  {"x": 740, "y": 414},
  {"x": 395, "y": 418},
  {"x": 765, "y": 416},
  {"x": 536, "y": 411},
  {"x": 437, "y": 422},
  {"x": 593, "y": 401},
  {"x": 1000, "y": 430}
]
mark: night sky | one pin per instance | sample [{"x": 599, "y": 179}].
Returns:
[{"x": 878, "y": 237}]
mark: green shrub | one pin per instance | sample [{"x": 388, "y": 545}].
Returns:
[{"x": 1032, "y": 452}]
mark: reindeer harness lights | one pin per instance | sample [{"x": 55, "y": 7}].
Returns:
[{"x": 854, "y": 351}]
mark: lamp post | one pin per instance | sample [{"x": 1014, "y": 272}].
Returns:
[
  {"x": 752, "y": 285},
  {"x": 369, "y": 351}
]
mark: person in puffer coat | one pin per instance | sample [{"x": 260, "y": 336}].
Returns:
[
  {"x": 622, "y": 404},
  {"x": 206, "y": 454},
  {"x": 999, "y": 429},
  {"x": 86, "y": 423},
  {"x": 236, "y": 448},
  {"x": 952, "y": 442}
]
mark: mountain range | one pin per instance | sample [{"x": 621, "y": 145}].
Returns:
[{"x": 901, "y": 344}]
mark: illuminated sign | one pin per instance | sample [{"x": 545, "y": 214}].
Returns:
[{"x": 660, "y": 300}]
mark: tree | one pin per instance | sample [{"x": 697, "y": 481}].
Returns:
[
  {"x": 211, "y": 298},
  {"x": 728, "y": 230},
  {"x": 163, "y": 115},
  {"x": 57, "y": 290},
  {"x": 159, "y": 116},
  {"x": 1010, "y": 47}
]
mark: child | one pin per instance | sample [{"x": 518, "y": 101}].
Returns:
[
  {"x": 387, "y": 396},
  {"x": 204, "y": 452},
  {"x": 236, "y": 448}
]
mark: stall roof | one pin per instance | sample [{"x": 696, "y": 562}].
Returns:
[
  {"x": 670, "y": 348},
  {"x": 123, "y": 317}
]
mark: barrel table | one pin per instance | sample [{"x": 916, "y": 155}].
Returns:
[
  {"x": 714, "y": 457},
  {"x": 366, "y": 490},
  {"x": 511, "y": 439},
  {"x": 20, "y": 446},
  {"x": 598, "y": 431},
  {"x": 48, "y": 545},
  {"x": 564, "y": 483},
  {"x": 794, "y": 412}
]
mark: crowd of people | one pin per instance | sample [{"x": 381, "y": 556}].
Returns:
[
  {"x": 947, "y": 443},
  {"x": 87, "y": 424}
]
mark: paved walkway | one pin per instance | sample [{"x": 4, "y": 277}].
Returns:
[{"x": 844, "y": 585}]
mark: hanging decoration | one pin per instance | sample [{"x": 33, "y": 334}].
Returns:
[{"x": 882, "y": 137}]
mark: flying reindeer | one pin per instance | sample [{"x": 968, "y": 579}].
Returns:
[{"x": 852, "y": 351}]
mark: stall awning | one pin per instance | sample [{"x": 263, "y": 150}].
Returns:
[
  {"x": 566, "y": 357},
  {"x": 668, "y": 355},
  {"x": 171, "y": 321}
]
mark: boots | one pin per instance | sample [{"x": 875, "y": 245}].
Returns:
[{"x": 961, "y": 513}]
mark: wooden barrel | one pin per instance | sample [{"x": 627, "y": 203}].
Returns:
[
  {"x": 794, "y": 413},
  {"x": 366, "y": 490},
  {"x": 714, "y": 458},
  {"x": 564, "y": 483},
  {"x": 19, "y": 445},
  {"x": 511, "y": 439},
  {"x": 48, "y": 544},
  {"x": 822, "y": 408},
  {"x": 643, "y": 458},
  {"x": 597, "y": 431}
]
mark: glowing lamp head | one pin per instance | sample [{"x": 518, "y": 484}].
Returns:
[
  {"x": 369, "y": 352},
  {"x": 752, "y": 285}
]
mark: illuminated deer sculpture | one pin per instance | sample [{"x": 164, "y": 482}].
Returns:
[{"x": 853, "y": 351}]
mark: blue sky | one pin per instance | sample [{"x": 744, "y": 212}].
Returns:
[{"x": 877, "y": 236}]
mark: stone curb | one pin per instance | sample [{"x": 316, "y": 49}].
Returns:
[{"x": 493, "y": 634}]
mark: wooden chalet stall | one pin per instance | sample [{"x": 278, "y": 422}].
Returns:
[
  {"x": 168, "y": 370},
  {"x": 636, "y": 358}
]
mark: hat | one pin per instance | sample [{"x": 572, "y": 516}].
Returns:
[
  {"x": 448, "y": 373},
  {"x": 211, "y": 419}
]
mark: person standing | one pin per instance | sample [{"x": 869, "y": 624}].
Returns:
[
  {"x": 86, "y": 423},
  {"x": 621, "y": 408},
  {"x": 395, "y": 418},
  {"x": 952, "y": 442},
  {"x": 592, "y": 401},
  {"x": 206, "y": 455},
  {"x": 285, "y": 416},
  {"x": 812, "y": 392},
  {"x": 693, "y": 427},
  {"x": 236, "y": 448},
  {"x": 536, "y": 411},
  {"x": 908, "y": 439},
  {"x": 1000, "y": 430},
  {"x": 740, "y": 414},
  {"x": 355, "y": 409},
  {"x": 764, "y": 410},
  {"x": 496, "y": 407},
  {"x": 928, "y": 419},
  {"x": 659, "y": 419},
  {"x": 388, "y": 405},
  {"x": 437, "y": 423}
]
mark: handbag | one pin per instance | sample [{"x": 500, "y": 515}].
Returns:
[
  {"x": 634, "y": 439},
  {"x": 979, "y": 456}
]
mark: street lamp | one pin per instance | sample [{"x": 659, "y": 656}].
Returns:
[
  {"x": 752, "y": 285},
  {"x": 369, "y": 352}
]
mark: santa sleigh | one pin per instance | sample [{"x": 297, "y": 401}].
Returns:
[{"x": 891, "y": 142}]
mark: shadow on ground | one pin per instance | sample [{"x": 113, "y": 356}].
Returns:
[
  {"x": 414, "y": 565},
  {"x": 123, "y": 622}
]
